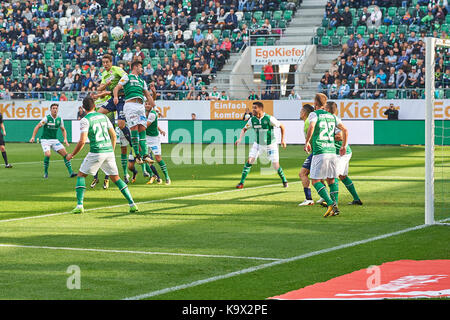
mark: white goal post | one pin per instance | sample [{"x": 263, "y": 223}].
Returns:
[{"x": 430, "y": 54}]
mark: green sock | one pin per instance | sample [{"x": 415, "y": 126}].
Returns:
[
  {"x": 124, "y": 189},
  {"x": 143, "y": 143},
  {"x": 322, "y": 191},
  {"x": 135, "y": 141},
  {"x": 348, "y": 183},
  {"x": 145, "y": 167},
  {"x": 281, "y": 174},
  {"x": 245, "y": 171},
  {"x": 68, "y": 165},
  {"x": 163, "y": 166},
  {"x": 46, "y": 164},
  {"x": 334, "y": 191},
  {"x": 80, "y": 188},
  {"x": 124, "y": 163}
]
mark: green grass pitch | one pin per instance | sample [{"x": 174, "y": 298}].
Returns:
[{"x": 200, "y": 238}]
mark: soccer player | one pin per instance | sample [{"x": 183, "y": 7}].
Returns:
[
  {"x": 110, "y": 78},
  {"x": 154, "y": 142},
  {"x": 102, "y": 138},
  {"x": 306, "y": 167},
  {"x": 2, "y": 142},
  {"x": 135, "y": 89},
  {"x": 264, "y": 125},
  {"x": 324, "y": 161},
  {"x": 343, "y": 161},
  {"x": 50, "y": 124}
]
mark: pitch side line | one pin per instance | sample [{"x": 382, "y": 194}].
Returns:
[
  {"x": 137, "y": 252},
  {"x": 272, "y": 264},
  {"x": 150, "y": 201}
]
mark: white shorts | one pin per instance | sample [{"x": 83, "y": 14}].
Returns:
[
  {"x": 342, "y": 164},
  {"x": 271, "y": 150},
  {"x": 324, "y": 166},
  {"x": 95, "y": 161},
  {"x": 54, "y": 144},
  {"x": 154, "y": 144},
  {"x": 135, "y": 114}
]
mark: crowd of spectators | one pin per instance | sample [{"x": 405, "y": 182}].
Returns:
[
  {"x": 370, "y": 67},
  {"x": 82, "y": 36}
]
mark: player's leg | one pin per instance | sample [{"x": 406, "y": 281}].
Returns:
[
  {"x": 46, "y": 148},
  {"x": 319, "y": 172},
  {"x": 154, "y": 144},
  {"x": 106, "y": 182},
  {"x": 80, "y": 189},
  {"x": 95, "y": 180},
  {"x": 110, "y": 168},
  {"x": 348, "y": 183},
  {"x": 131, "y": 167},
  {"x": 272, "y": 152},
  {"x": 252, "y": 157},
  {"x": 333, "y": 184},
  {"x": 3, "y": 151},
  {"x": 124, "y": 162},
  {"x": 304, "y": 172},
  {"x": 63, "y": 153}
]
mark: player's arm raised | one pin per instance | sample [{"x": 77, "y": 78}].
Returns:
[
  {"x": 35, "y": 131},
  {"x": 344, "y": 131}
]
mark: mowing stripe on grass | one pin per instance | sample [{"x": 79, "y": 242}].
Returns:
[
  {"x": 150, "y": 201},
  {"x": 275, "y": 263},
  {"x": 4, "y": 245}
]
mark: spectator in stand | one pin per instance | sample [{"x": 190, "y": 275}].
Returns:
[
  {"x": 344, "y": 90},
  {"x": 268, "y": 75},
  {"x": 391, "y": 113},
  {"x": 294, "y": 96},
  {"x": 265, "y": 95},
  {"x": 253, "y": 95},
  {"x": 346, "y": 18},
  {"x": 375, "y": 18}
]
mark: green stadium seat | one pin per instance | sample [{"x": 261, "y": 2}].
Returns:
[
  {"x": 15, "y": 64},
  {"x": 270, "y": 41},
  {"x": 371, "y": 30},
  {"x": 325, "y": 22},
  {"x": 392, "y": 28},
  {"x": 403, "y": 29},
  {"x": 361, "y": 30},
  {"x": 277, "y": 15},
  {"x": 217, "y": 33},
  {"x": 282, "y": 24},
  {"x": 258, "y": 15},
  {"x": 335, "y": 41},
  {"x": 260, "y": 41},
  {"x": 161, "y": 53},
  {"x": 23, "y": 63},
  {"x": 320, "y": 31},
  {"x": 392, "y": 12},
  {"x": 391, "y": 94},
  {"x": 344, "y": 39},
  {"x": 382, "y": 29},
  {"x": 341, "y": 31},
  {"x": 288, "y": 15},
  {"x": 325, "y": 41},
  {"x": 315, "y": 40}
]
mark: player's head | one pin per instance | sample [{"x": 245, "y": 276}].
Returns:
[
  {"x": 88, "y": 104},
  {"x": 331, "y": 107},
  {"x": 107, "y": 61},
  {"x": 320, "y": 100},
  {"x": 54, "y": 109},
  {"x": 305, "y": 111},
  {"x": 136, "y": 67},
  {"x": 258, "y": 108}
]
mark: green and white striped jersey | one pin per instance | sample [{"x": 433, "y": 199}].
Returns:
[{"x": 96, "y": 125}]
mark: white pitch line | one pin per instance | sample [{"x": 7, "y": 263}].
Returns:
[
  {"x": 137, "y": 252},
  {"x": 272, "y": 264},
  {"x": 150, "y": 201}
]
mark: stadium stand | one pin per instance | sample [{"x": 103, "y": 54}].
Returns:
[
  {"x": 382, "y": 48},
  {"x": 51, "y": 46}
]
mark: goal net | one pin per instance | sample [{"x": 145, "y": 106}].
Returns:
[{"x": 437, "y": 131}]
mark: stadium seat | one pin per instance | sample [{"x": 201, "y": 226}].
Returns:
[{"x": 325, "y": 41}]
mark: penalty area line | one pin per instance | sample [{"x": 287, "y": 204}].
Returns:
[
  {"x": 274, "y": 263},
  {"x": 4, "y": 245}
]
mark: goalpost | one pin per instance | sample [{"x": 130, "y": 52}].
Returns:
[{"x": 442, "y": 46}]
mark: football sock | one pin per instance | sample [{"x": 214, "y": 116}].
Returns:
[
  {"x": 334, "y": 191},
  {"x": 163, "y": 166},
  {"x": 135, "y": 141},
  {"x": 68, "y": 164},
  {"x": 348, "y": 183},
  {"x": 46, "y": 164},
  {"x": 80, "y": 188},
  {"x": 151, "y": 168},
  {"x": 5, "y": 157},
  {"x": 124, "y": 163},
  {"x": 124, "y": 189},
  {"x": 245, "y": 171},
  {"x": 126, "y": 132},
  {"x": 106, "y": 177},
  {"x": 281, "y": 174},
  {"x": 307, "y": 193},
  {"x": 143, "y": 143},
  {"x": 322, "y": 191},
  {"x": 96, "y": 176}
]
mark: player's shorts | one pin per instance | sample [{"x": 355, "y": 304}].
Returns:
[
  {"x": 48, "y": 144},
  {"x": 342, "y": 164},
  {"x": 131, "y": 158},
  {"x": 271, "y": 150},
  {"x": 111, "y": 107},
  {"x": 135, "y": 114},
  {"x": 2, "y": 141},
  {"x": 323, "y": 166},
  {"x": 95, "y": 161},
  {"x": 154, "y": 143},
  {"x": 307, "y": 163}
]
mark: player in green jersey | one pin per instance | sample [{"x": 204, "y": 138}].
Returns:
[
  {"x": 135, "y": 90},
  {"x": 154, "y": 142},
  {"x": 102, "y": 139},
  {"x": 50, "y": 124},
  {"x": 306, "y": 167},
  {"x": 264, "y": 125},
  {"x": 320, "y": 140},
  {"x": 343, "y": 161}
]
